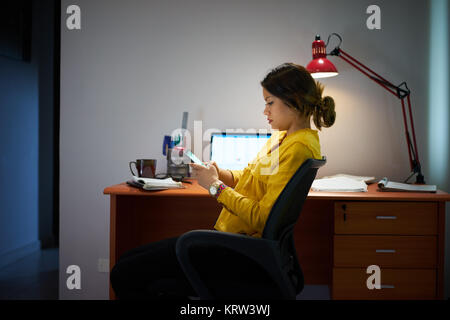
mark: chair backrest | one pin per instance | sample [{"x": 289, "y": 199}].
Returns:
[{"x": 287, "y": 207}]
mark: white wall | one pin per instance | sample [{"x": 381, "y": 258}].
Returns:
[{"x": 135, "y": 66}]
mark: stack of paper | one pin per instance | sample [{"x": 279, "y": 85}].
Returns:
[
  {"x": 157, "y": 184},
  {"x": 339, "y": 184},
  {"x": 367, "y": 180}
]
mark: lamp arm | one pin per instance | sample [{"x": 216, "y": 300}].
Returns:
[{"x": 400, "y": 93}]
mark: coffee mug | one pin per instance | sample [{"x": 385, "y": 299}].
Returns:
[{"x": 146, "y": 168}]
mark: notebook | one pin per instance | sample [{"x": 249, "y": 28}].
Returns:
[
  {"x": 155, "y": 184},
  {"x": 386, "y": 185}
]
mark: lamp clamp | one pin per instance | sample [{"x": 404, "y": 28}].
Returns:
[{"x": 336, "y": 51}]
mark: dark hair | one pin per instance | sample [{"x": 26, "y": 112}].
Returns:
[{"x": 295, "y": 86}]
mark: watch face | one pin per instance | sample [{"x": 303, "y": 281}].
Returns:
[{"x": 212, "y": 190}]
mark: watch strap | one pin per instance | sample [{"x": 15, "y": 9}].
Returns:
[{"x": 221, "y": 187}]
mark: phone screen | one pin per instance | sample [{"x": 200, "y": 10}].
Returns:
[{"x": 193, "y": 157}]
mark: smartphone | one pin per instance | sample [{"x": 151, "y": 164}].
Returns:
[{"x": 193, "y": 157}]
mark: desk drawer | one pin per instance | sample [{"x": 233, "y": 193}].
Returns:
[
  {"x": 385, "y": 251},
  {"x": 407, "y": 218},
  {"x": 351, "y": 283}
]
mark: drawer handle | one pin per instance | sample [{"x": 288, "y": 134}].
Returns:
[
  {"x": 385, "y": 251},
  {"x": 387, "y": 286},
  {"x": 386, "y": 217}
]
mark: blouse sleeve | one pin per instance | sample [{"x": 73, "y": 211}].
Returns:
[
  {"x": 237, "y": 174},
  {"x": 253, "y": 212}
]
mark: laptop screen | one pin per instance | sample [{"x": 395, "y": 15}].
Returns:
[{"x": 235, "y": 150}]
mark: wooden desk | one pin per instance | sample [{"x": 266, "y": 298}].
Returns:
[{"x": 408, "y": 228}]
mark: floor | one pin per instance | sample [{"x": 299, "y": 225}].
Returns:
[
  {"x": 314, "y": 292},
  {"x": 35, "y": 277}
]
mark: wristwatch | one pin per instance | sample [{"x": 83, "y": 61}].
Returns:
[{"x": 216, "y": 188}]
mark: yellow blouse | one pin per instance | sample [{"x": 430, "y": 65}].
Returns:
[{"x": 247, "y": 206}]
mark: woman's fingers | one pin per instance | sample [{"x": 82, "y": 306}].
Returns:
[
  {"x": 194, "y": 166},
  {"x": 199, "y": 166}
]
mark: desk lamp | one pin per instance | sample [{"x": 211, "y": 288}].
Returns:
[{"x": 321, "y": 67}]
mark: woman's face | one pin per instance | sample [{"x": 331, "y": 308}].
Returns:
[{"x": 278, "y": 114}]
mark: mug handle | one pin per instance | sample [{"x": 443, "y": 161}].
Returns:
[{"x": 131, "y": 169}]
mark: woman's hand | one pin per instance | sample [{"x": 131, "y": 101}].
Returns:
[
  {"x": 205, "y": 176},
  {"x": 215, "y": 165}
]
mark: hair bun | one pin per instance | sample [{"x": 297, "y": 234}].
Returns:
[
  {"x": 321, "y": 104},
  {"x": 328, "y": 112}
]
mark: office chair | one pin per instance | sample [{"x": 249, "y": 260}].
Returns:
[{"x": 211, "y": 259}]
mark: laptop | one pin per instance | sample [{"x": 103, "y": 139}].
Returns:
[{"x": 234, "y": 151}]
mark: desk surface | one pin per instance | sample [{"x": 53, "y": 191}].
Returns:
[{"x": 195, "y": 190}]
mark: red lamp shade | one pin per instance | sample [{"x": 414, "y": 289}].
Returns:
[{"x": 320, "y": 66}]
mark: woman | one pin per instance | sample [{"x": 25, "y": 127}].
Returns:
[{"x": 292, "y": 98}]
